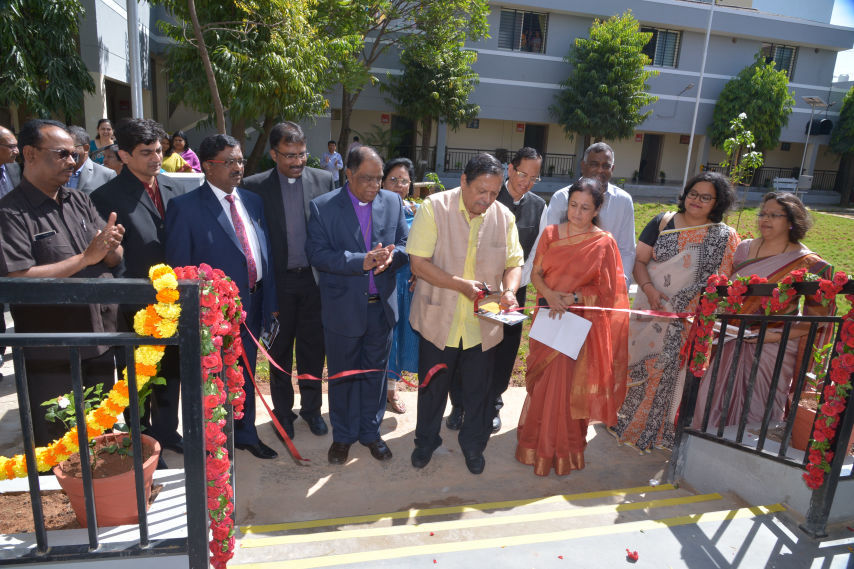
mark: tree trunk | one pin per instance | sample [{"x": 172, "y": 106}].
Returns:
[
  {"x": 238, "y": 130},
  {"x": 206, "y": 63},
  {"x": 347, "y": 101},
  {"x": 845, "y": 179},
  {"x": 423, "y": 157},
  {"x": 260, "y": 145}
]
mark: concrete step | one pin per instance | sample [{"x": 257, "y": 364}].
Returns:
[{"x": 479, "y": 527}]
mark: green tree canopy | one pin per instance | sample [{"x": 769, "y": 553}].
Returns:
[
  {"x": 383, "y": 25},
  {"x": 606, "y": 91},
  {"x": 762, "y": 92},
  {"x": 842, "y": 137},
  {"x": 268, "y": 59},
  {"x": 437, "y": 77},
  {"x": 41, "y": 71}
]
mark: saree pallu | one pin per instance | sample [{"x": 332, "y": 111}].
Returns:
[
  {"x": 774, "y": 269},
  {"x": 564, "y": 395},
  {"x": 682, "y": 261}
]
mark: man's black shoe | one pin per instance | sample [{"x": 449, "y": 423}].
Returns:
[
  {"x": 455, "y": 419},
  {"x": 289, "y": 429},
  {"x": 421, "y": 457},
  {"x": 475, "y": 462},
  {"x": 175, "y": 445},
  {"x": 259, "y": 450},
  {"x": 161, "y": 464},
  {"x": 379, "y": 450},
  {"x": 338, "y": 453},
  {"x": 496, "y": 423},
  {"x": 317, "y": 425}
]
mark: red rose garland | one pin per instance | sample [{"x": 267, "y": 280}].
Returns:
[
  {"x": 841, "y": 368},
  {"x": 221, "y": 316}
]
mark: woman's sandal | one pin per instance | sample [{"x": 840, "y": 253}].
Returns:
[{"x": 395, "y": 405}]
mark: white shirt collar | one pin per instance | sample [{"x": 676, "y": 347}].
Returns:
[{"x": 220, "y": 194}]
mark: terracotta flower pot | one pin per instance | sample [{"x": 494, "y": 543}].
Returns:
[
  {"x": 115, "y": 496},
  {"x": 804, "y": 419}
]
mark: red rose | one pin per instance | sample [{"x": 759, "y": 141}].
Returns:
[
  {"x": 840, "y": 376},
  {"x": 840, "y": 278},
  {"x": 221, "y": 531},
  {"x": 815, "y": 456},
  {"x": 212, "y": 318},
  {"x": 207, "y": 300},
  {"x": 832, "y": 408},
  {"x": 210, "y": 401},
  {"x": 212, "y": 362}
]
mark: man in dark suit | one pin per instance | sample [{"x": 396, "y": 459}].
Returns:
[
  {"x": 88, "y": 176},
  {"x": 223, "y": 226},
  {"x": 10, "y": 176},
  {"x": 346, "y": 235},
  {"x": 287, "y": 191},
  {"x": 139, "y": 196}
]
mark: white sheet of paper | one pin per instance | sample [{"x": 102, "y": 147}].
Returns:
[{"x": 565, "y": 334}]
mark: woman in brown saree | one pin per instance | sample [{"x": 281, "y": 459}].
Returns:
[
  {"x": 783, "y": 221},
  {"x": 576, "y": 263}
]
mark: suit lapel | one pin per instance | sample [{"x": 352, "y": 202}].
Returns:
[
  {"x": 308, "y": 186},
  {"x": 215, "y": 209},
  {"x": 255, "y": 217},
  {"x": 351, "y": 221},
  {"x": 85, "y": 173},
  {"x": 167, "y": 190},
  {"x": 377, "y": 218}
]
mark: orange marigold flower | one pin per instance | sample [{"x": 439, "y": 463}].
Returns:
[
  {"x": 159, "y": 272},
  {"x": 149, "y": 371},
  {"x": 167, "y": 295},
  {"x": 121, "y": 387}
]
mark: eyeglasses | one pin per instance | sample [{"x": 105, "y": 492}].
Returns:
[
  {"x": 62, "y": 153},
  {"x": 375, "y": 180},
  {"x": 298, "y": 155},
  {"x": 523, "y": 177},
  {"x": 763, "y": 215},
  {"x": 705, "y": 198},
  {"x": 230, "y": 162},
  {"x": 11, "y": 146},
  {"x": 395, "y": 181}
]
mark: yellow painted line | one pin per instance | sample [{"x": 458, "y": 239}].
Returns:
[
  {"x": 437, "y": 549},
  {"x": 408, "y": 514},
  {"x": 475, "y": 523}
]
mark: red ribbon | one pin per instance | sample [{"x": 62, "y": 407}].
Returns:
[{"x": 347, "y": 373}]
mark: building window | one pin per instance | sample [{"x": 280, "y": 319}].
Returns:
[
  {"x": 663, "y": 47},
  {"x": 783, "y": 56},
  {"x": 523, "y": 31}
]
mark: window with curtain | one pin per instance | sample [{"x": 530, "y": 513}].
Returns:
[
  {"x": 663, "y": 47},
  {"x": 523, "y": 31},
  {"x": 783, "y": 56}
]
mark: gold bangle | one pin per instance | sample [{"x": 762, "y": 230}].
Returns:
[{"x": 646, "y": 283}]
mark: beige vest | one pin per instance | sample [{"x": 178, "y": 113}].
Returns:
[{"x": 432, "y": 309}]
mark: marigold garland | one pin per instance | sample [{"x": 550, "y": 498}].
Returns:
[
  {"x": 835, "y": 395},
  {"x": 159, "y": 320}
]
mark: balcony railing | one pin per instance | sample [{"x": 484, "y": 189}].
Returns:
[{"x": 824, "y": 180}]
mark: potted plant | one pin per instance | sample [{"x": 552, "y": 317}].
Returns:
[{"x": 111, "y": 464}]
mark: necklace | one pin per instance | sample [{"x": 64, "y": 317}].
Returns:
[{"x": 786, "y": 248}]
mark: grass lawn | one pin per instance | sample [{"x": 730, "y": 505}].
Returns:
[{"x": 832, "y": 237}]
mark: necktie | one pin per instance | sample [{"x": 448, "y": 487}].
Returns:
[
  {"x": 5, "y": 182},
  {"x": 240, "y": 230},
  {"x": 154, "y": 193}
]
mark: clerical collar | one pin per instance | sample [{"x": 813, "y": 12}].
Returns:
[
  {"x": 355, "y": 199},
  {"x": 292, "y": 180}
]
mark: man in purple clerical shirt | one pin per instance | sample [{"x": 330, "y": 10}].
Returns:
[{"x": 356, "y": 241}]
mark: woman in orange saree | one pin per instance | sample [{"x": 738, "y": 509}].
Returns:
[{"x": 576, "y": 264}]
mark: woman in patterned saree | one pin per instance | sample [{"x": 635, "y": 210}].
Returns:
[
  {"x": 576, "y": 263},
  {"x": 783, "y": 221},
  {"x": 676, "y": 253}
]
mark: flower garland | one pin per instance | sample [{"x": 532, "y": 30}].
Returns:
[
  {"x": 841, "y": 368},
  {"x": 158, "y": 320},
  {"x": 221, "y": 316}
]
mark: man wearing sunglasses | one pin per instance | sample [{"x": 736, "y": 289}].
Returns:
[
  {"x": 51, "y": 231},
  {"x": 287, "y": 190}
]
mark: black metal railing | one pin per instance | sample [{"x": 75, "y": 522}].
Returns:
[
  {"x": 557, "y": 165},
  {"x": 127, "y": 292},
  {"x": 416, "y": 154},
  {"x": 824, "y": 180},
  {"x": 457, "y": 158},
  {"x": 822, "y": 498}
]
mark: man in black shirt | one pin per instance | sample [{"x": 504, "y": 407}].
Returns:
[{"x": 50, "y": 231}]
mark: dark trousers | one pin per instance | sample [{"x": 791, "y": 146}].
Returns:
[
  {"x": 160, "y": 413},
  {"x": 47, "y": 379},
  {"x": 300, "y": 328},
  {"x": 503, "y": 362},
  {"x": 357, "y": 403},
  {"x": 244, "y": 429},
  {"x": 474, "y": 394}
]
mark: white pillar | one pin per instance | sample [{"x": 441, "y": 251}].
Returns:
[
  {"x": 441, "y": 144},
  {"x": 95, "y": 104},
  {"x": 812, "y": 155}
]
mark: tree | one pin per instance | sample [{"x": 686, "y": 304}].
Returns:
[
  {"x": 41, "y": 71},
  {"x": 383, "y": 25},
  {"x": 842, "y": 142},
  {"x": 762, "y": 92},
  {"x": 266, "y": 61},
  {"x": 437, "y": 80},
  {"x": 606, "y": 91}
]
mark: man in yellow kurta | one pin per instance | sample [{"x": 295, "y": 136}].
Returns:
[{"x": 461, "y": 240}]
